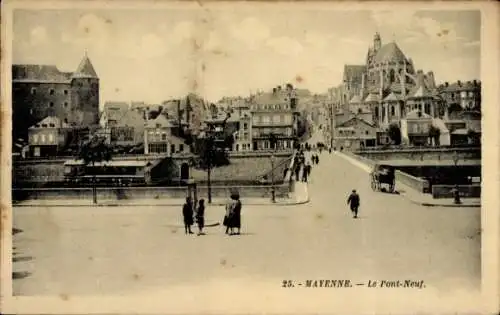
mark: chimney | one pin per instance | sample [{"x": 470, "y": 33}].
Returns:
[
  {"x": 274, "y": 90},
  {"x": 459, "y": 83},
  {"x": 446, "y": 84}
]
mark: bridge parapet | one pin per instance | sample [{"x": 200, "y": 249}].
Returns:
[{"x": 422, "y": 154}]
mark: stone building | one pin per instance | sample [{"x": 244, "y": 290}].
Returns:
[
  {"x": 355, "y": 133},
  {"x": 460, "y": 96},
  {"x": 274, "y": 114},
  {"x": 47, "y": 137},
  {"x": 388, "y": 85},
  {"x": 159, "y": 138},
  {"x": 39, "y": 91}
]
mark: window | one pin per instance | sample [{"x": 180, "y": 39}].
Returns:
[
  {"x": 266, "y": 119},
  {"x": 44, "y": 125},
  {"x": 51, "y": 104},
  {"x": 278, "y": 106},
  {"x": 42, "y": 138},
  {"x": 237, "y": 147},
  {"x": 164, "y": 136},
  {"x": 282, "y": 118},
  {"x": 33, "y": 91},
  {"x": 51, "y": 138},
  {"x": 35, "y": 138},
  {"x": 51, "y": 91},
  {"x": 393, "y": 111},
  {"x": 366, "y": 132},
  {"x": 172, "y": 148},
  {"x": 181, "y": 147},
  {"x": 52, "y": 125},
  {"x": 245, "y": 126},
  {"x": 65, "y": 92},
  {"x": 65, "y": 104}
]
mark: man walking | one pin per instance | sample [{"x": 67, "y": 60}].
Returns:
[{"x": 353, "y": 201}]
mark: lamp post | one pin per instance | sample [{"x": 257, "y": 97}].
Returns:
[
  {"x": 273, "y": 192},
  {"x": 456, "y": 191}
]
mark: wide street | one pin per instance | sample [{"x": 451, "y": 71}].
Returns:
[{"x": 130, "y": 250}]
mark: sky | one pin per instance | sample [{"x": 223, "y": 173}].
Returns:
[{"x": 154, "y": 55}]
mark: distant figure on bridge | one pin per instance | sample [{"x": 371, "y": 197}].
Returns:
[
  {"x": 353, "y": 201},
  {"x": 187, "y": 213},
  {"x": 306, "y": 169}
]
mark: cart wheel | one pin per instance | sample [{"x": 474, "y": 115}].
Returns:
[{"x": 391, "y": 187}]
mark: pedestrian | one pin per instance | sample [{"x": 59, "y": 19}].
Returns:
[
  {"x": 187, "y": 213},
  {"x": 236, "y": 216},
  {"x": 317, "y": 159},
  {"x": 353, "y": 201},
  {"x": 308, "y": 169},
  {"x": 305, "y": 172},
  {"x": 297, "y": 172},
  {"x": 200, "y": 216},
  {"x": 227, "y": 218}
]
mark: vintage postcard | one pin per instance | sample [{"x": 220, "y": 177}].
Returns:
[{"x": 249, "y": 157}]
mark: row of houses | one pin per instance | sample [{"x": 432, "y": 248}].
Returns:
[{"x": 165, "y": 129}]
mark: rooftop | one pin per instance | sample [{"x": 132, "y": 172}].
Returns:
[{"x": 390, "y": 52}]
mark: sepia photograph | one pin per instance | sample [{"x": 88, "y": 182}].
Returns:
[{"x": 316, "y": 151}]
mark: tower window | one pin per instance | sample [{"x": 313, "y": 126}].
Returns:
[
  {"x": 51, "y": 104},
  {"x": 51, "y": 91}
]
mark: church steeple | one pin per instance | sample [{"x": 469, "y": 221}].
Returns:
[
  {"x": 377, "y": 42},
  {"x": 85, "y": 68}
]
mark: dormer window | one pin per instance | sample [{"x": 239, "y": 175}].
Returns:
[
  {"x": 52, "y": 125},
  {"x": 44, "y": 125}
]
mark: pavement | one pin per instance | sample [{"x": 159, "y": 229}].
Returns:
[
  {"x": 81, "y": 251},
  {"x": 411, "y": 194}
]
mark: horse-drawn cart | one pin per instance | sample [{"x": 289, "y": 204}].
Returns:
[{"x": 382, "y": 174}]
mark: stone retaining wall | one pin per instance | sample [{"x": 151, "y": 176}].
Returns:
[
  {"x": 466, "y": 191},
  {"x": 119, "y": 193}
]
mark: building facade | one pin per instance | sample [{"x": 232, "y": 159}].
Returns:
[
  {"x": 47, "y": 137},
  {"x": 355, "y": 133},
  {"x": 159, "y": 138},
  {"x": 388, "y": 85},
  {"x": 273, "y": 114},
  {"x": 39, "y": 91}
]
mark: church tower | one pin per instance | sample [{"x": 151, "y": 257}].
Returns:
[
  {"x": 377, "y": 42},
  {"x": 85, "y": 93}
]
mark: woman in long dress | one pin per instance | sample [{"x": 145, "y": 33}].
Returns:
[
  {"x": 228, "y": 218},
  {"x": 236, "y": 213},
  {"x": 187, "y": 213},
  {"x": 200, "y": 216}
]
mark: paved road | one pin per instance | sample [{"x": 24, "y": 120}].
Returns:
[{"x": 132, "y": 250}]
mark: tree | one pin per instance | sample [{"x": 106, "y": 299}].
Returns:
[
  {"x": 93, "y": 151},
  {"x": 395, "y": 133},
  {"x": 435, "y": 133}
]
